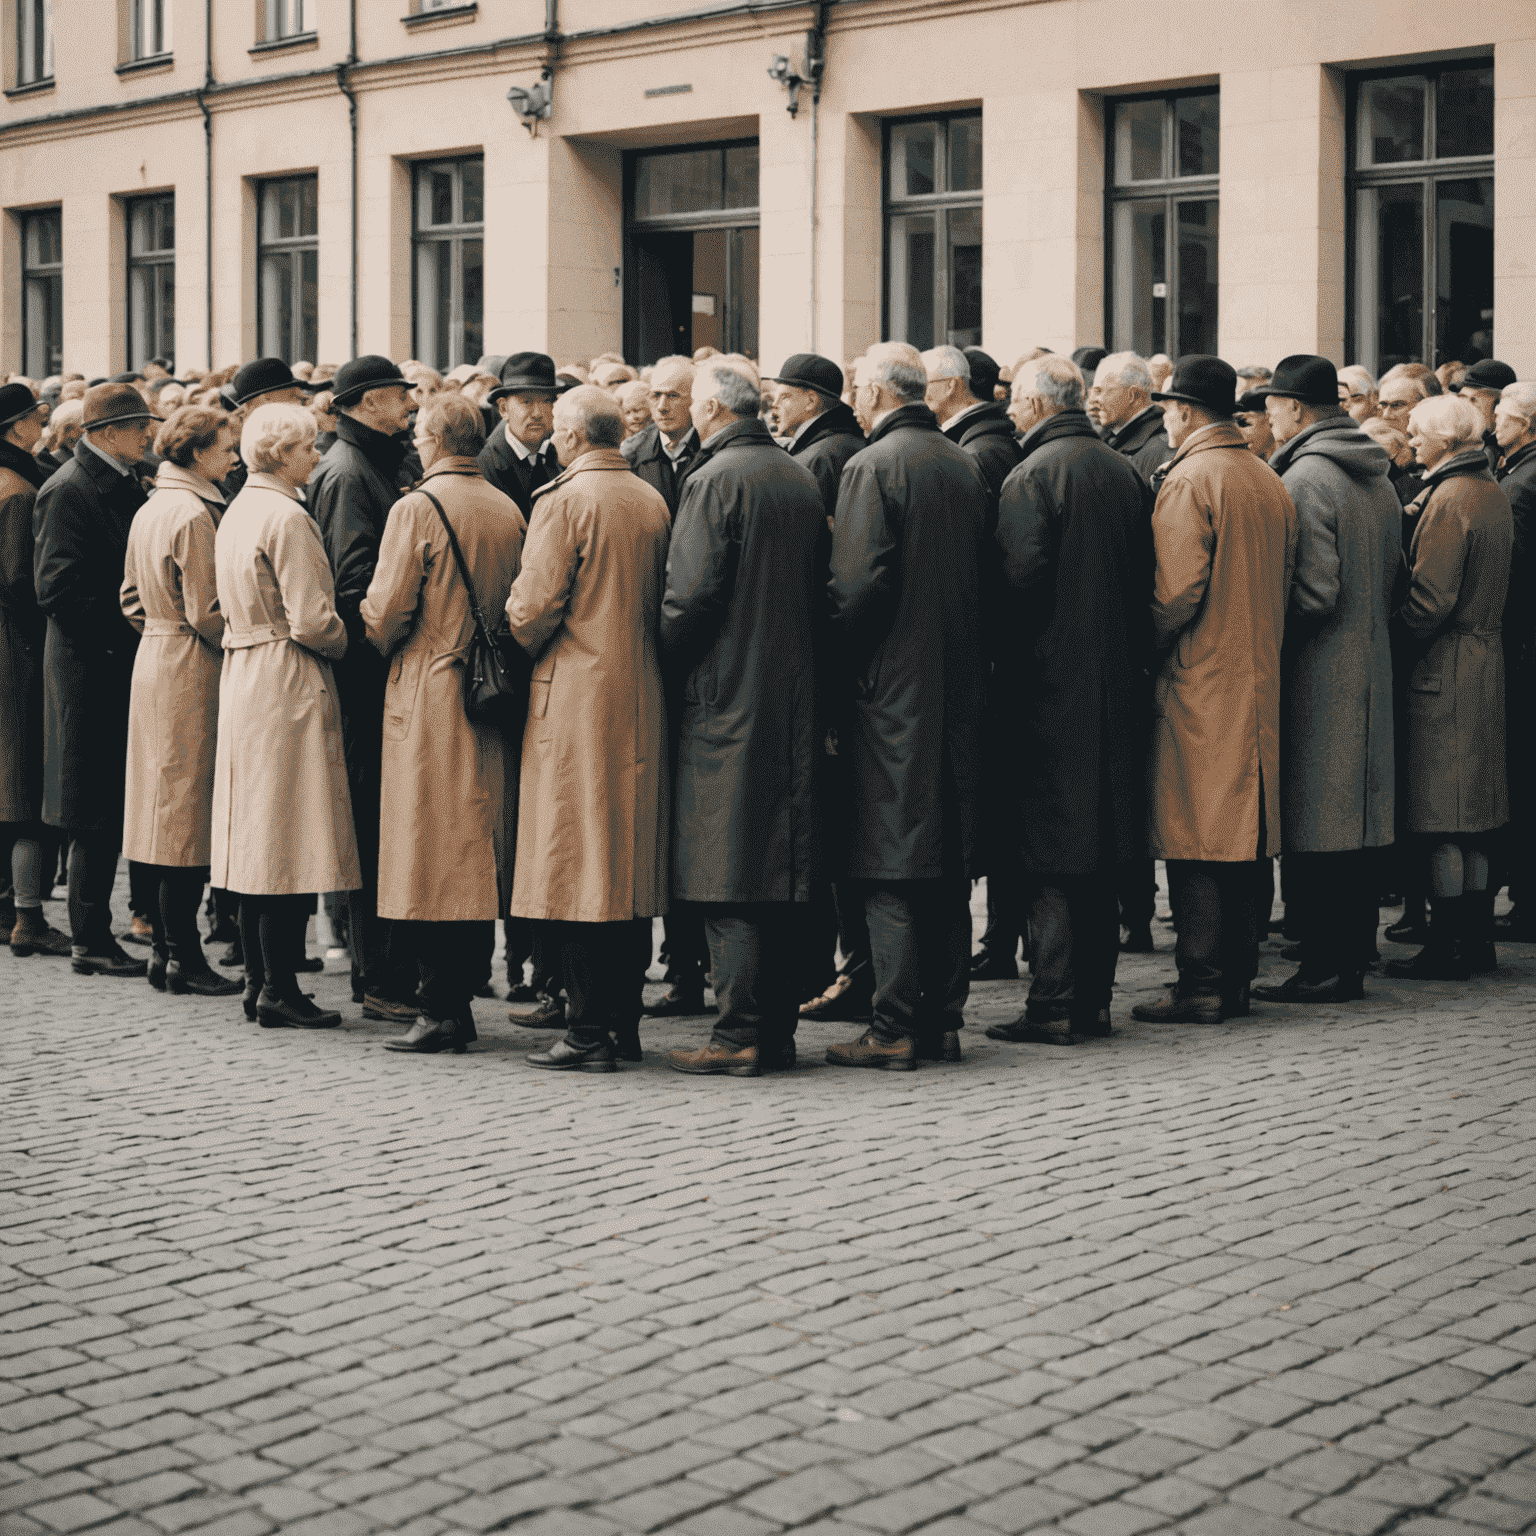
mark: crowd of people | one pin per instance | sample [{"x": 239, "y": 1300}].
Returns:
[{"x": 788, "y": 660}]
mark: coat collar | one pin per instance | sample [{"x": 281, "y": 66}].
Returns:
[
  {"x": 172, "y": 477},
  {"x": 1521, "y": 456},
  {"x": 836, "y": 419},
  {"x": 96, "y": 466},
  {"x": 916, "y": 416},
  {"x": 20, "y": 462},
  {"x": 1138, "y": 431},
  {"x": 451, "y": 464},
  {"x": 985, "y": 419},
  {"x": 385, "y": 453},
  {"x": 1470, "y": 461},
  {"x": 260, "y": 480},
  {"x": 1219, "y": 434},
  {"x": 592, "y": 459},
  {"x": 648, "y": 446},
  {"x": 1062, "y": 424},
  {"x": 1280, "y": 459},
  {"x": 745, "y": 429}
]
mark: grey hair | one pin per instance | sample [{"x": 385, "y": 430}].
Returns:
[
  {"x": 740, "y": 395},
  {"x": 593, "y": 413},
  {"x": 1130, "y": 368},
  {"x": 1361, "y": 376},
  {"x": 1454, "y": 421},
  {"x": 947, "y": 363},
  {"x": 899, "y": 368},
  {"x": 1522, "y": 395},
  {"x": 1059, "y": 382}
]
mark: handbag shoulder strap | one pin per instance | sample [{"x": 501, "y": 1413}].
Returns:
[{"x": 458, "y": 560}]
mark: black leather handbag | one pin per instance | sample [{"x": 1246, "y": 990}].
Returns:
[{"x": 496, "y": 668}]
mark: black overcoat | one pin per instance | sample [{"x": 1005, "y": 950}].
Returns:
[
  {"x": 645, "y": 455},
  {"x": 80, "y": 528},
  {"x": 905, "y": 554},
  {"x": 745, "y": 573},
  {"x": 825, "y": 446},
  {"x": 988, "y": 436},
  {"x": 1144, "y": 441},
  {"x": 1076, "y": 542},
  {"x": 23, "y": 633},
  {"x": 513, "y": 476}
]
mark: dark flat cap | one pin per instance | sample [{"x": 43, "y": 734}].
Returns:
[
  {"x": 1489, "y": 374},
  {"x": 1207, "y": 382},
  {"x": 809, "y": 370}
]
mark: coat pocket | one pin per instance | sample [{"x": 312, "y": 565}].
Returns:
[{"x": 400, "y": 702}]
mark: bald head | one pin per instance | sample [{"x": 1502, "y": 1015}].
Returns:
[{"x": 586, "y": 418}]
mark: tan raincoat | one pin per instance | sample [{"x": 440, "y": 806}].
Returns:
[
  {"x": 282, "y": 816},
  {"x": 1225, "y": 533},
  {"x": 170, "y": 596},
  {"x": 593, "y": 829},
  {"x": 448, "y": 812}
]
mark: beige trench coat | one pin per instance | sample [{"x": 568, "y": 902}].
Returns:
[
  {"x": 282, "y": 816},
  {"x": 1225, "y": 532},
  {"x": 448, "y": 810},
  {"x": 593, "y": 830},
  {"x": 170, "y": 596}
]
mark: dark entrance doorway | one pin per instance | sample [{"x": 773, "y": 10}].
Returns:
[{"x": 693, "y": 251}]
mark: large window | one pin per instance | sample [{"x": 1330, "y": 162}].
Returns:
[
  {"x": 288, "y": 301},
  {"x": 933, "y": 231},
  {"x": 289, "y": 18},
  {"x": 1163, "y": 162},
  {"x": 149, "y": 28},
  {"x": 1421, "y": 227},
  {"x": 151, "y": 279},
  {"x": 34, "y": 41},
  {"x": 450, "y": 261},
  {"x": 42, "y": 294}
]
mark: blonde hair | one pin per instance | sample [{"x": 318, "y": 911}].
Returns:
[
  {"x": 1449, "y": 419},
  {"x": 271, "y": 432}
]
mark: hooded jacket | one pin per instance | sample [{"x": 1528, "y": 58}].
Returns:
[{"x": 1336, "y": 775}]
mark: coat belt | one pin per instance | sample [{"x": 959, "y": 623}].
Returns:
[
  {"x": 167, "y": 627},
  {"x": 261, "y": 634}
]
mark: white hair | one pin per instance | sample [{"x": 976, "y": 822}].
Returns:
[
  {"x": 1355, "y": 374},
  {"x": 1130, "y": 368},
  {"x": 730, "y": 385},
  {"x": 1057, "y": 380},
  {"x": 899, "y": 368},
  {"x": 1522, "y": 395},
  {"x": 1453, "y": 421},
  {"x": 947, "y": 363},
  {"x": 592, "y": 412},
  {"x": 271, "y": 432}
]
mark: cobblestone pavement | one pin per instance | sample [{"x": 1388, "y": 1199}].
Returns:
[{"x": 1271, "y": 1276}]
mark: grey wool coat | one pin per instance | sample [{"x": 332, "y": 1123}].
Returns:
[{"x": 1336, "y": 775}]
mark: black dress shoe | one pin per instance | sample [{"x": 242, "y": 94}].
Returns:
[
  {"x": 1138, "y": 941},
  {"x": 1095, "y": 1026},
  {"x": 563, "y": 1056},
  {"x": 550, "y": 1014},
  {"x": 156, "y": 973},
  {"x": 274, "y": 1012},
  {"x": 109, "y": 960},
  {"x": 1302, "y": 988},
  {"x": 428, "y": 1036},
  {"x": 1027, "y": 1031},
  {"x": 678, "y": 1005},
  {"x": 626, "y": 1044},
  {"x": 986, "y": 966},
  {"x": 1432, "y": 963},
  {"x": 200, "y": 982}
]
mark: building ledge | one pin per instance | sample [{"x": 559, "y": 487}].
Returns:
[
  {"x": 32, "y": 88},
  {"x": 298, "y": 43},
  {"x": 451, "y": 16},
  {"x": 151, "y": 65}
]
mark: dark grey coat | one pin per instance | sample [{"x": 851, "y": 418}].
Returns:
[
  {"x": 649, "y": 460},
  {"x": 1336, "y": 777},
  {"x": 988, "y": 436},
  {"x": 1144, "y": 441},
  {"x": 745, "y": 573},
  {"x": 80, "y": 528},
  {"x": 824, "y": 448},
  {"x": 905, "y": 552}
]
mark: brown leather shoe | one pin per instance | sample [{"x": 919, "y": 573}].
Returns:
[
  {"x": 1190, "y": 1008},
  {"x": 870, "y": 1051},
  {"x": 717, "y": 1058},
  {"x": 550, "y": 1014},
  {"x": 33, "y": 935},
  {"x": 387, "y": 1009}
]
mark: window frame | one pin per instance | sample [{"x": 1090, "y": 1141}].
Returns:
[
  {"x": 1172, "y": 189},
  {"x": 145, "y": 18},
  {"x": 277, "y": 29},
  {"x": 39, "y": 13},
  {"x": 50, "y": 272},
  {"x": 939, "y": 203},
  {"x": 141, "y": 262},
  {"x": 294, "y": 247},
  {"x": 1423, "y": 173},
  {"x": 439, "y": 234}
]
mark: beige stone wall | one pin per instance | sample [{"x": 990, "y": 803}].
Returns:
[{"x": 553, "y": 226}]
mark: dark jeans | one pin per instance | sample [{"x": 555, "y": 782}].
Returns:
[
  {"x": 1008, "y": 904},
  {"x": 454, "y": 959},
  {"x": 752, "y": 952},
  {"x": 1137, "y": 893},
  {"x": 92, "y": 872},
  {"x": 1074, "y": 934},
  {"x": 1218, "y": 945},
  {"x": 920, "y": 941},
  {"x": 1331, "y": 900},
  {"x": 599, "y": 963},
  {"x": 172, "y": 895}
]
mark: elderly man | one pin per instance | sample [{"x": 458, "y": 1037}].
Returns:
[
  {"x": 1399, "y": 391},
  {"x": 1357, "y": 393},
  {"x": 57, "y": 445},
  {"x": 1224, "y": 531},
  {"x": 1130, "y": 423},
  {"x": 80, "y": 525},
  {"x": 1253, "y": 422},
  {"x": 980, "y": 426},
  {"x": 350, "y": 495},
  {"x": 1336, "y": 790},
  {"x": 823, "y": 432},
  {"x": 267, "y": 381},
  {"x": 905, "y": 590},
  {"x": 746, "y": 575},
  {"x": 662, "y": 453},
  {"x": 517, "y": 458},
  {"x": 591, "y": 864},
  {"x": 1077, "y": 557},
  {"x": 1481, "y": 387}
]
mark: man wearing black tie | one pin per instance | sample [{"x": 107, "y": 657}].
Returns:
[
  {"x": 517, "y": 458},
  {"x": 664, "y": 452}
]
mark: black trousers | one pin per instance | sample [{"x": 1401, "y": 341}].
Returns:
[
  {"x": 172, "y": 895},
  {"x": 453, "y": 958},
  {"x": 1137, "y": 892},
  {"x": 1008, "y": 902},
  {"x": 687, "y": 948},
  {"x": 1074, "y": 934},
  {"x": 752, "y": 952},
  {"x": 814, "y": 953},
  {"x": 1331, "y": 899},
  {"x": 272, "y": 932},
  {"x": 1218, "y": 945},
  {"x": 599, "y": 963},
  {"x": 920, "y": 945},
  {"x": 92, "y": 872},
  {"x": 852, "y": 927}
]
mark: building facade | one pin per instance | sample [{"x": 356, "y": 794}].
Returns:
[{"x": 213, "y": 180}]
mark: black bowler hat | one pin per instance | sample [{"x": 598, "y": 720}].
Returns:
[
  {"x": 807, "y": 370},
  {"x": 262, "y": 377},
  {"x": 1207, "y": 382},
  {"x": 1088, "y": 360},
  {"x": 1489, "y": 374},
  {"x": 1250, "y": 402},
  {"x": 526, "y": 373},
  {"x": 16, "y": 401},
  {"x": 1303, "y": 376},
  {"x": 984, "y": 373},
  {"x": 370, "y": 371}
]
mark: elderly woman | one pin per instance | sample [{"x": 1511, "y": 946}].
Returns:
[
  {"x": 635, "y": 407},
  {"x": 169, "y": 596},
  {"x": 282, "y": 816},
  {"x": 1457, "y": 791}
]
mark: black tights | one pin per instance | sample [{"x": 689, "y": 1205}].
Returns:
[
  {"x": 171, "y": 896},
  {"x": 272, "y": 932}
]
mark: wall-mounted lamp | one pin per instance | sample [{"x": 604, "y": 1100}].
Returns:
[
  {"x": 780, "y": 70},
  {"x": 533, "y": 104}
]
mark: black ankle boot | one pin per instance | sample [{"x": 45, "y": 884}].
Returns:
[
  {"x": 159, "y": 959},
  {"x": 1439, "y": 960}
]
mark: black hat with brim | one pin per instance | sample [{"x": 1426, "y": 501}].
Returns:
[
  {"x": 16, "y": 402},
  {"x": 1303, "y": 376},
  {"x": 809, "y": 370},
  {"x": 1203, "y": 381},
  {"x": 264, "y": 376},
  {"x": 113, "y": 405},
  {"x": 1490, "y": 374},
  {"x": 354, "y": 379},
  {"x": 528, "y": 373},
  {"x": 1250, "y": 402}
]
